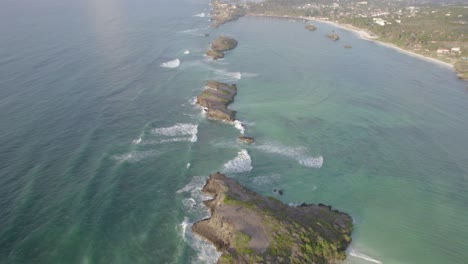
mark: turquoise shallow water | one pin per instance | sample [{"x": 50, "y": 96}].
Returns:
[{"x": 102, "y": 151}]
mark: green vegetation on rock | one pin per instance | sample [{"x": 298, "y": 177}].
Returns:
[{"x": 249, "y": 228}]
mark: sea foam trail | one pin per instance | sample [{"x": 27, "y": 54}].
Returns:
[
  {"x": 241, "y": 163},
  {"x": 296, "y": 153},
  {"x": 135, "y": 156},
  {"x": 195, "y": 208},
  {"x": 171, "y": 64},
  {"x": 200, "y": 15},
  {"x": 223, "y": 75},
  {"x": 178, "y": 130},
  {"x": 360, "y": 255}
]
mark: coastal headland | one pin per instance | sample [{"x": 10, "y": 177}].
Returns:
[
  {"x": 226, "y": 11},
  {"x": 249, "y": 228}
]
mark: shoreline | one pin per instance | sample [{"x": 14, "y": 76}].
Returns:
[{"x": 363, "y": 34}]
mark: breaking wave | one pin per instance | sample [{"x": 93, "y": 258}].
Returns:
[
  {"x": 297, "y": 153},
  {"x": 176, "y": 131},
  {"x": 241, "y": 163},
  {"x": 238, "y": 124},
  {"x": 360, "y": 255},
  {"x": 186, "y": 52},
  {"x": 207, "y": 253},
  {"x": 196, "y": 210},
  {"x": 171, "y": 64},
  {"x": 137, "y": 141}
]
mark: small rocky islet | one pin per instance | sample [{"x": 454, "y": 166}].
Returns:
[
  {"x": 215, "y": 99},
  {"x": 248, "y": 228},
  {"x": 310, "y": 27},
  {"x": 219, "y": 46},
  {"x": 333, "y": 36},
  {"x": 247, "y": 140}
]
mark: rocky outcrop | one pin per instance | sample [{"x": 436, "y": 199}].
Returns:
[
  {"x": 249, "y": 228},
  {"x": 223, "y": 43},
  {"x": 247, "y": 140},
  {"x": 219, "y": 46},
  {"x": 224, "y": 11},
  {"x": 310, "y": 27},
  {"x": 215, "y": 99},
  {"x": 215, "y": 54},
  {"x": 333, "y": 36},
  {"x": 347, "y": 46}
]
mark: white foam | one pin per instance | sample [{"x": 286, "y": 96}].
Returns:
[
  {"x": 238, "y": 124},
  {"x": 179, "y": 129},
  {"x": 249, "y": 75},
  {"x": 312, "y": 162},
  {"x": 297, "y": 153},
  {"x": 137, "y": 141},
  {"x": 189, "y": 203},
  {"x": 207, "y": 253},
  {"x": 241, "y": 163},
  {"x": 194, "y": 189},
  {"x": 178, "y": 139},
  {"x": 186, "y": 52},
  {"x": 360, "y": 255},
  {"x": 135, "y": 156},
  {"x": 200, "y": 15},
  {"x": 171, "y": 64},
  {"x": 188, "y": 165}
]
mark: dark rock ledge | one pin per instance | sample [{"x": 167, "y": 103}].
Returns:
[
  {"x": 215, "y": 99},
  {"x": 249, "y": 228}
]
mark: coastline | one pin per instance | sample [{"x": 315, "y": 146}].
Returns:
[{"x": 366, "y": 36}]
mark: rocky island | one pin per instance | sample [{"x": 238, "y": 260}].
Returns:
[
  {"x": 215, "y": 99},
  {"x": 249, "y": 228},
  {"x": 310, "y": 27},
  {"x": 333, "y": 36},
  {"x": 219, "y": 46}
]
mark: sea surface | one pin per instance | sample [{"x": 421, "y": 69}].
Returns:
[{"x": 103, "y": 152}]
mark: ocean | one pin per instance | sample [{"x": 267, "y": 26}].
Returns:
[{"x": 103, "y": 152}]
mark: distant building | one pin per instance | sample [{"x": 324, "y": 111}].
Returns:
[
  {"x": 456, "y": 50},
  {"x": 379, "y": 21},
  {"x": 443, "y": 51}
]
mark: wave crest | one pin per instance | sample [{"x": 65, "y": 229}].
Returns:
[
  {"x": 241, "y": 163},
  {"x": 360, "y": 255},
  {"x": 171, "y": 64}
]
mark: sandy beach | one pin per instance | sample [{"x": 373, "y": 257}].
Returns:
[{"x": 366, "y": 36}]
